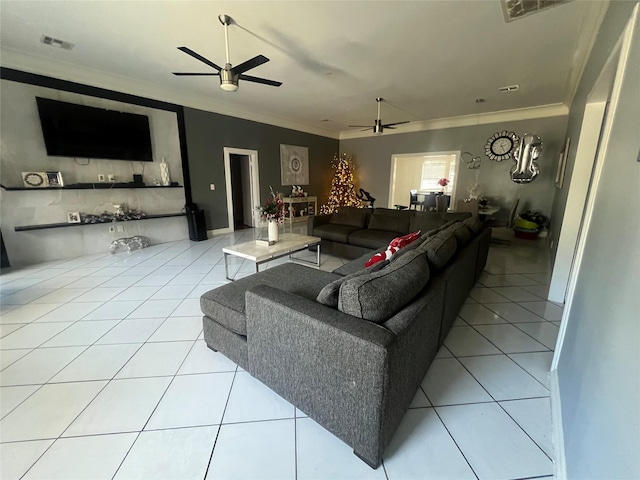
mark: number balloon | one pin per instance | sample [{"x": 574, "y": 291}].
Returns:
[{"x": 526, "y": 169}]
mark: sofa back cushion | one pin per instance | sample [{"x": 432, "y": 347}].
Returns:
[
  {"x": 439, "y": 249},
  {"x": 390, "y": 220},
  {"x": 329, "y": 294},
  {"x": 378, "y": 296},
  {"x": 474, "y": 224},
  {"x": 461, "y": 232},
  {"x": 350, "y": 216}
]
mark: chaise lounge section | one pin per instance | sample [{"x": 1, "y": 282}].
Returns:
[{"x": 349, "y": 348}]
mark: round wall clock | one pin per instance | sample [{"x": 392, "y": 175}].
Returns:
[{"x": 500, "y": 145}]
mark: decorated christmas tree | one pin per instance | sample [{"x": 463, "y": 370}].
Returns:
[{"x": 343, "y": 192}]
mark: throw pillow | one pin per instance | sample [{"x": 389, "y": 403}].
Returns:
[
  {"x": 395, "y": 245},
  {"x": 378, "y": 296},
  {"x": 329, "y": 294}
]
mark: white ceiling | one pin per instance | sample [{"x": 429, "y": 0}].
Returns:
[{"x": 428, "y": 59}]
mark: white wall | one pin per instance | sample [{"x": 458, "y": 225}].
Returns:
[
  {"x": 22, "y": 149},
  {"x": 598, "y": 367}
]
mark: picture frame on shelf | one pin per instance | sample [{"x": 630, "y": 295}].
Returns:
[
  {"x": 73, "y": 217},
  {"x": 34, "y": 179},
  {"x": 54, "y": 179}
]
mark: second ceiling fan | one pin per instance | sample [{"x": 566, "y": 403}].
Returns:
[
  {"x": 229, "y": 75},
  {"x": 378, "y": 126}
]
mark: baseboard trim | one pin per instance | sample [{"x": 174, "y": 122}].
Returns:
[
  {"x": 219, "y": 231},
  {"x": 557, "y": 432}
]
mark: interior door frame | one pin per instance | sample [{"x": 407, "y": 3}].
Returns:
[
  {"x": 255, "y": 181},
  {"x": 619, "y": 57}
]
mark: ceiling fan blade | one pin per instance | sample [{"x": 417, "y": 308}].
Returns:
[
  {"x": 249, "y": 64},
  {"x": 390, "y": 125},
  {"x": 264, "y": 81},
  {"x": 195, "y": 74},
  {"x": 197, "y": 56},
  {"x": 360, "y": 126}
]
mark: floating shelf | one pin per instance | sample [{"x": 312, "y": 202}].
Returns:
[
  {"x": 26, "y": 228},
  {"x": 91, "y": 186}
]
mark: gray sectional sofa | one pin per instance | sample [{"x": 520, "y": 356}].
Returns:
[
  {"x": 355, "y": 231},
  {"x": 350, "y": 347}
]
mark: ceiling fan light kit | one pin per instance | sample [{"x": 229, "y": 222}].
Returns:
[{"x": 229, "y": 75}]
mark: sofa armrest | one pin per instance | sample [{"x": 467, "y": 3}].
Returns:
[
  {"x": 316, "y": 220},
  {"x": 332, "y": 366}
]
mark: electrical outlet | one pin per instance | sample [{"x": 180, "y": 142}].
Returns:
[
  {"x": 112, "y": 177},
  {"x": 120, "y": 228},
  {"x": 112, "y": 228},
  {"x": 212, "y": 186},
  {"x": 101, "y": 177}
]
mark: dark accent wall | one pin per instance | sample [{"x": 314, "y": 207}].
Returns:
[{"x": 207, "y": 134}]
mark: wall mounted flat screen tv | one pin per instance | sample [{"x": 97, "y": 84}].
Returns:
[{"x": 72, "y": 130}]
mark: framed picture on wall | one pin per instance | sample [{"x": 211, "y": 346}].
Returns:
[
  {"x": 562, "y": 164},
  {"x": 294, "y": 165}
]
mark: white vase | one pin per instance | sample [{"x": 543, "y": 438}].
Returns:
[
  {"x": 273, "y": 231},
  {"x": 164, "y": 173}
]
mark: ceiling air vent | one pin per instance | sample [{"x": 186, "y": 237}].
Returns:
[
  {"x": 55, "y": 42},
  {"x": 509, "y": 88},
  {"x": 515, "y": 9}
]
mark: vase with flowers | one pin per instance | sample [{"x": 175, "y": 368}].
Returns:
[
  {"x": 272, "y": 211},
  {"x": 443, "y": 182}
]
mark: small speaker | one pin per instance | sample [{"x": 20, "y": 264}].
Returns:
[
  {"x": 137, "y": 179},
  {"x": 197, "y": 225}
]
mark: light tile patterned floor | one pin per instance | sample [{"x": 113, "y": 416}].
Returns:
[{"x": 104, "y": 374}]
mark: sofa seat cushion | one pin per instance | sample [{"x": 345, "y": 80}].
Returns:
[
  {"x": 354, "y": 265},
  {"x": 378, "y": 296},
  {"x": 371, "y": 238},
  {"x": 350, "y": 216},
  {"x": 335, "y": 233},
  {"x": 226, "y": 305}
]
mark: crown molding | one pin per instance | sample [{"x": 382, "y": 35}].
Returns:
[
  {"x": 96, "y": 78},
  {"x": 542, "y": 111}
]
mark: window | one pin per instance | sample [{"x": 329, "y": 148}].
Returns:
[{"x": 435, "y": 167}]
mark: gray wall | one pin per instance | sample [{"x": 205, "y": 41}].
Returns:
[
  {"x": 615, "y": 20},
  {"x": 208, "y": 133},
  {"x": 598, "y": 366},
  {"x": 23, "y": 150},
  {"x": 373, "y": 157}
]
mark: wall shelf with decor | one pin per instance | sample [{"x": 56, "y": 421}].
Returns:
[
  {"x": 26, "y": 228},
  {"x": 91, "y": 186}
]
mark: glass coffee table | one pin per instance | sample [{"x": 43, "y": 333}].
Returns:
[{"x": 288, "y": 244}]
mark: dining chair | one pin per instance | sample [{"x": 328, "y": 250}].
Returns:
[
  {"x": 429, "y": 202},
  {"x": 413, "y": 202}
]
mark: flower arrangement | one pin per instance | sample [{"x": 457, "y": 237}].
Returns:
[
  {"x": 273, "y": 208},
  {"x": 443, "y": 182}
]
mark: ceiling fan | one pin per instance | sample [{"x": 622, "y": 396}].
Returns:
[
  {"x": 378, "y": 127},
  {"x": 229, "y": 76}
]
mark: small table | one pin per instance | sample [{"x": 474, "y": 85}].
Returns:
[{"x": 288, "y": 244}]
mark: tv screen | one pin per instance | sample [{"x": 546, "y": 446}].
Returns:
[{"x": 72, "y": 130}]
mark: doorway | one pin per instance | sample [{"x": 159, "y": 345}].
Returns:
[{"x": 243, "y": 191}]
